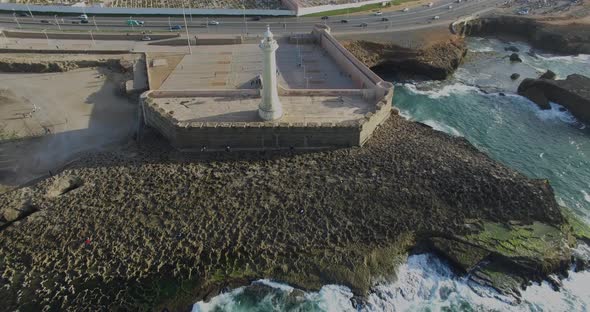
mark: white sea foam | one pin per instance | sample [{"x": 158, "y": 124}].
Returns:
[
  {"x": 445, "y": 91},
  {"x": 557, "y": 112},
  {"x": 580, "y": 58},
  {"x": 224, "y": 302},
  {"x": 586, "y": 196},
  {"x": 425, "y": 283},
  {"x": 440, "y": 126}
]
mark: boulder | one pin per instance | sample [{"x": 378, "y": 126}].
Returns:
[
  {"x": 514, "y": 76},
  {"x": 514, "y": 57},
  {"x": 548, "y": 75},
  {"x": 573, "y": 93},
  {"x": 64, "y": 184}
]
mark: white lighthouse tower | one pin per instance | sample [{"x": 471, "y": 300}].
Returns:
[{"x": 270, "y": 108}]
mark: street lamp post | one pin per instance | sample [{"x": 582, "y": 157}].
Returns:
[
  {"x": 245, "y": 22},
  {"x": 16, "y": 19},
  {"x": 30, "y": 13},
  {"x": 188, "y": 39},
  {"x": 57, "y": 22},
  {"x": 92, "y": 37},
  {"x": 46, "y": 37}
]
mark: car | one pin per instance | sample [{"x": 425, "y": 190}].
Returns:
[
  {"x": 83, "y": 17},
  {"x": 430, "y": 4},
  {"x": 436, "y": 17},
  {"x": 133, "y": 22},
  {"x": 343, "y": 21},
  {"x": 405, "y": 10},
  {"x": 384, "y": 19},
  {"x": 450, "y": 7},
  {"x": 44, "y": 21},
  {"x": 23, "y": 14},
  {"x": 75, "y": 22},
  {"x": 146, "y": 38},
  {"x": 84, "y": 21},
  {"x": 176, "y": 27},
  {"x": 364, "y": 25},
  {"x": 213, "y": 23},
  {"x": 256, "y": 18},
  {"x": 324, "y": 17},
  {"x": 458, "y": 1},
  {"x": 378, "y": 13}
]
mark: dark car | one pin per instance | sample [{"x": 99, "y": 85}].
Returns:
[
  {"x": 176, "y": 27},
  {"x": 23, "y": 14},
  {"x": 344, "y": 21},
  {"x": 44, "y": 22},
  {"x": 385, "y": 19},
  {"x": 256, "y": 18},
  {"x": 364, "y": 25},
  {"x": 324, "y": 17}
]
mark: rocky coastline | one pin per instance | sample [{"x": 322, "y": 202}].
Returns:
[
  {"x": 573, "y": 93},
  {"x": 147, "y": 227},
  {"x": 436, "y": 61},
  {"x": 556, "y": 35}
]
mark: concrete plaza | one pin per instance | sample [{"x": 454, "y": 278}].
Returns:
[{"x": 300, "y": 66}]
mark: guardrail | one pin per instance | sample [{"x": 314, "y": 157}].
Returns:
[{"x": 139, "y": 11}]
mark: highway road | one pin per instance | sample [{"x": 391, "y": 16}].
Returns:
[{"x": 416, "y": 17}]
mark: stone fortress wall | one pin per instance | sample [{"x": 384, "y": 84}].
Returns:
[{"x": 193, "y": 136}]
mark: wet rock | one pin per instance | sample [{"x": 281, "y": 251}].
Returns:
[
  {"x": 573, "y": 93},
  {"x": 511, "y": 49},
  {"x": 548, "y": 75},
  {"x": 514, "y": 76},
  {"x": 514, "y": 57}
]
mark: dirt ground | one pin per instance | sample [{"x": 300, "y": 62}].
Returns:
[{"x": 47, "y": 118}]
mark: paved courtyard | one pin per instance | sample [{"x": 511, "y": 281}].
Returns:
[
  {"x": 245, "y": 109},
  {"x": 304, "y": 66}
]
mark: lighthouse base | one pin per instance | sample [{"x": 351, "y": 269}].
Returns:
[{"x": 275, "y": 114}]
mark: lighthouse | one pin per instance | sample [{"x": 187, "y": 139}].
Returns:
[{"x": 270, "y": 108}]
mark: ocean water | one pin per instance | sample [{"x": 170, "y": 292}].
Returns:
[{"x": 480, "y": 104}]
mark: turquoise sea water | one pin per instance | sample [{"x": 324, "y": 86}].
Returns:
[{"x": 541, "y": 144}]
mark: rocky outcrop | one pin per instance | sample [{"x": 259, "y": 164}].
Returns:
[
  {"x": 573, "y": 93},
  {"x": 572, "y": 38},
  {"x": 151, "y": 228},
  {"x": 436, "y": 61},
  {"x": 514, "y": 57},
  {"x": 515, "y": 76},
  {"x": 548, "y": 75}
]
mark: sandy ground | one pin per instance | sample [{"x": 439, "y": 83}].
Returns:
[{"x": 56, "y": 116}]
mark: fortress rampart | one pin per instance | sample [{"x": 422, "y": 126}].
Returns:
[{"x": 158, "y": 110}]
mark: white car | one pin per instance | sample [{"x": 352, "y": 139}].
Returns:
[
  {"x": 378, "y": 13},
  {"x": 436, "y": 17},
  {"x": 405, "y": 10},
  {"x": 430, "y": 5},
  {"x": 213, "y": 23},
  {"x": 450, "y": 7},
  {"x": 83, "y": 17}
]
